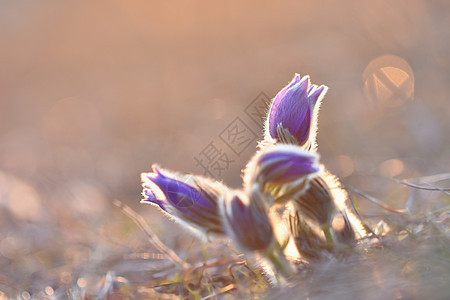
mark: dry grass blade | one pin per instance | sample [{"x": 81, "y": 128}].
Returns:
[
  {"x": 432, "y": 188},
  {"x": 223, "y": 290},
  {"x": 358, "y": 215},
  {"x": 376, "y": 201},
  {"x": 154, "y": 240},
  {"x": 431, "y": 178},
  {"x": 438, "y": 188}
]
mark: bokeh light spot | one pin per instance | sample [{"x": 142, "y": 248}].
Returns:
[
  {"x": 338, "y": 223},
  {"x": 391, "y": 167},
  {"x": 49, "y": 290},
  {"x": 346, "y": 165},
  {"x": 24, "y": 202},
  {"x": 81, "y": 282},
  {"x": 388, "y": 81},
  {"x": 25, "y": 295}
]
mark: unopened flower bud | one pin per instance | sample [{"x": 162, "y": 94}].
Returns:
[
  {"x": 316, "y": 203},
  {"x": 319, "y": 207},
  {"x": 283, "y": 170},
  {"x": 292, "y": 116},
  {"x": 246, "y": 221},
  {"x": 190, "y": 200}
]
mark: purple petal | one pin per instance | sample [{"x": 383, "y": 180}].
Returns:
[
  {"x": 280, "y": 165},
  {"x": 291, "y": 110},
  {"x": 276, "y": 102},
  {"x": 315, "y": 94},
  {"x": 176, "y": 194},
  {"x": 249, "y": 223},
  {"x": 301, "y": 129}
]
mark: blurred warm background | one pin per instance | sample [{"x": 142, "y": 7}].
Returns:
[{"x": 93, "y": 93}]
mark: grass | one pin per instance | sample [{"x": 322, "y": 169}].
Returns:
[{"x": 405, "y": 256}]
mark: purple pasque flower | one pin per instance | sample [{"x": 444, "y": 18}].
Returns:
[
  {"x": 286, "y": 163},
  {"x": 317, "y": 203},
  {"x": 292, "y": 116},
  {"x": 188, "y": 199},
  {"x": 282, "y": 169},
  {"x": 319, "y": 206},
  {"x": 246, "y": 221}
]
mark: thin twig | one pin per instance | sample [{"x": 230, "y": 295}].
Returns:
[
  {"x": 358, "y": 215},
  {"x": 431, "y": 178},
  {"x": 221, "y": 291},
  {"x": 421, "y": 187},
  {"x": 378, "y": 216},
  {"x": 239, "y": 263},
  {"x": 350, "y": 197},
  {"x": 154, "y": 240},
  {"x": 376, "y": 201},
  {"x": 438, "y": 188}
]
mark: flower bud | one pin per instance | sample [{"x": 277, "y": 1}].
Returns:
[
  {"x": 321, "y": 207},
  {"x": 293, "y": 114},
  {"x": 284, "y": 170},
  {"x": 316, "y": 203},
  {"x": 190, "y": 200},
  {"x": 246, "y": 221}
]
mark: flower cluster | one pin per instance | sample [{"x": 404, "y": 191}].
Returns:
[{"x": 285, "y": 172}]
